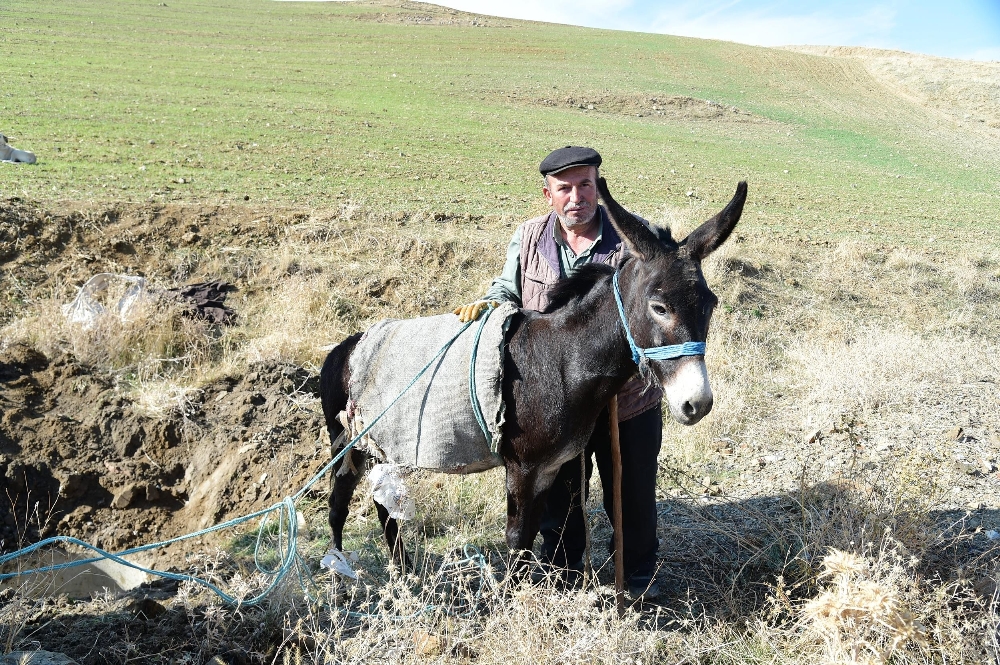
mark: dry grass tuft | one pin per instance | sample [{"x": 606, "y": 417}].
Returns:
[
  {"x": 860, "y": 612},
  {"x": 155, "y": 337}
]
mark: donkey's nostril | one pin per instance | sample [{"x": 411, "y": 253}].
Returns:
[{"x": 689, "y": 409}]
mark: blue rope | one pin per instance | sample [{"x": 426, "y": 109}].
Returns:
[
  {"x": 288, "y": 558},
  {"x": 477, "y": 408},
  {"x": 287, "y": 515},
  {"x": 657, "y": 352}
]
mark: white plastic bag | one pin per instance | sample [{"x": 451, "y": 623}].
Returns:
[
  {"x": 389, "y": 490},
  {"x": 85, "y": 308},
  {"x": 340, "y": 562}
]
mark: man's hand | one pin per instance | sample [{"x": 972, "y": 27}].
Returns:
[{"x": 472, "y": 311}]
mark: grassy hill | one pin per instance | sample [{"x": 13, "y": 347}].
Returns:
[
  {"x": 341, "y": 163},
  {"x": 413, "y": 107}
]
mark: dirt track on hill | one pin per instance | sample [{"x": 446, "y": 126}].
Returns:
[{"x": 964, "y": 92}]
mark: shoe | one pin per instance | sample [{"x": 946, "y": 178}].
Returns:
[{"x": 642, "y": 587}]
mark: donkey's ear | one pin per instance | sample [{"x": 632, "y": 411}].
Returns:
[
  {"x": 709, "y": 236},
  {"x": 639, "y": 239}
]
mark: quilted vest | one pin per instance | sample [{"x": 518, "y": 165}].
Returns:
[{"x": 540, "y": 271}]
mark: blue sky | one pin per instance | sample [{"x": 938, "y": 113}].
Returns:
[{"x": 952, "y": 28}]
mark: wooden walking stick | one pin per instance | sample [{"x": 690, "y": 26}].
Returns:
[
  {"x": 616, "y": 465},
  {"x": 588, "y": 566}
]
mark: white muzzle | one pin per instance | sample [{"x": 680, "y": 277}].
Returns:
[{"x": 688, "y": 393}]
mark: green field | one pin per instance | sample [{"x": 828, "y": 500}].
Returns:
[{"x": 411, "y": 107}]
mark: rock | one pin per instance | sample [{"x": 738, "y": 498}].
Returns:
[
  {"x": 36, "y": 658},
  {"x": 814, "y": 436},
  {"x": 128, "y": 496},
  {"x": 127, "y": 437},
  {"x": 427, "y": 644},
  {"x": 152, "y": 493},
  {"x": 78, "y": 515},
  {"x": 73, "y": 485},
  {"x": 190, "y": 237},
  {"x": 954, "y": 433},
  {"x": 967, "y": 467},
  {"x": 147, "y": 607}
]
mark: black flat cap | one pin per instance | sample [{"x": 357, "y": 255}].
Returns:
[{"x": 567, "y": 158}]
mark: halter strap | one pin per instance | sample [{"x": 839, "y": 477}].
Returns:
[{"x": 656, "y": 352}]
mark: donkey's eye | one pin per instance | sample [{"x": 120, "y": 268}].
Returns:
[{"x": 659, "y": 309}]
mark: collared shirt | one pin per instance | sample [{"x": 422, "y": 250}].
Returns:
[{"x": 507, "y": 287}]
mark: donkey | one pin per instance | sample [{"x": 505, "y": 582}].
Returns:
[{"x": 562, "y": 366}]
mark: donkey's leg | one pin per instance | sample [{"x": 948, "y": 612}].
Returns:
[
  {"x": 526, "y": 490},
  {"x": 392, "y": 538},
  {"x": 341, "y": 492}
]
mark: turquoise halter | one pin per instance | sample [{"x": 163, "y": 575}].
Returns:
[{"x": 657, "y": 352}]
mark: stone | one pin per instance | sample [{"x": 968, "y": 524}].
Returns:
[
  {"x": 427, "y": 644},
  {"x": 954, "y": 433},
  {"x": 147, "y": 607},
  {"x": 129, "y": 495},
  {"x": 190, "y": 237},
  {"x": 967, "y": 467}
]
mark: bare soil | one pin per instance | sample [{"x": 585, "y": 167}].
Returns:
[
  {"x": 964, "y": 91},
  {"x": 669, "y": 107}
]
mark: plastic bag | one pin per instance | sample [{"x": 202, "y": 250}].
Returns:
[
  {"x": 85, "y": 308},
  {"x": 340, "y": 562},
  {"x": 389, "y": 490}
]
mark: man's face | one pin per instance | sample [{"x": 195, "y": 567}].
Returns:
[{"x": 572, "y": 194}]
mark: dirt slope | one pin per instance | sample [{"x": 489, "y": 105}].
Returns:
[
  {"x": 964, "y": 91},
  {"x": 78, "y": 456}
]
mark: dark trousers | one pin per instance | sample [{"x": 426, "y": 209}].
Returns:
[{"x": 562, "y": 526}]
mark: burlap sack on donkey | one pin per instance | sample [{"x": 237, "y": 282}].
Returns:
[{"x": 433, "y": 425}]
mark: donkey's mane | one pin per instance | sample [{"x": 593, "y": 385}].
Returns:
[{"x": 571, "y": 288}]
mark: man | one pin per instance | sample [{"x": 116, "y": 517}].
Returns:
[{"x": 542, "y": 251}]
